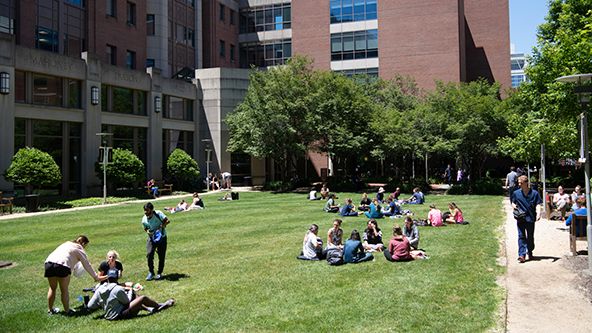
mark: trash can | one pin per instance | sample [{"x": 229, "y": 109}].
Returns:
[
  {"x": 31, "y": 202},
  {"x": 248, "y": 181}
]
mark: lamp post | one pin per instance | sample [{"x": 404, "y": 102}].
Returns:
[
  {"x": 105, "y": 152},
  {"x": 543, "y": 175},
  {"x": 583, "y": 91},
  {"x": 208, "y": 160}
]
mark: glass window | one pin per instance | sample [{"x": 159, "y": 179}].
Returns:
[
  {"x": 352, "y": 10},
  {"x": 265, "y": 18},
  {"x": 131, "y": 13},
  {"x": 231, "y": 15},
  {"x": 189, "y": 110},
  {"x": 46, "y": 39},
  {"x": 232, "y": 53},
  {"x": 104, "y": 100},
  {"x": 191, "y": 37},
  {"x": 123, "y": 101},
  {"x": 364, "y": 43},
  {"x": 111, "y": 55},
  {"x": 142, "y": 104},
  {"x": 111, "y": 8},
  {"x": 175, "y": 108},
  {"x": 130, "y": 60},
  {"x": 20, "y": 84},
  {"x": 222, "y": 7},
  {"x": 75, "y": 93},
  {"x": 77, "y": 2},
  {"x": 149, "y": 63},
  {"x": 179, "y": 33},
  {"x": 150, "y": 24},
  {"x": 222, "y": 55},
  {"x": 47, "y": 90}
]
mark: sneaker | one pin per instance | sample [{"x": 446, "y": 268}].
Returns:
[
  {"x": 159, "y": 277},
  {"x": 521, "y": 259},
  {"x": 53, "y": 311},
  {"x": 70, "y": 313},
  {"x": 150, "y": 277}
]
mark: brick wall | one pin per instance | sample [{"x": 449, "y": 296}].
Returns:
[
  {"x": 27, "y": 12},
  {"x": 310, "y": 31},
  {"x": 216, "y": 30}
]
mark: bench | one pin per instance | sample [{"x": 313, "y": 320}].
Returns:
[
  {"x": 2, "y": 204},
  {"x": 581, "y": 222},
  {"x": 162, "y": 187}
]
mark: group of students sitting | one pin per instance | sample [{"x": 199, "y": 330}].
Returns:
[
  {"x": 183, "y": 206},
  {"x": 356, "y": 250}
]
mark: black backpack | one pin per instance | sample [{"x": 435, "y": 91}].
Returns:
[{"x": 335, "y": 256}]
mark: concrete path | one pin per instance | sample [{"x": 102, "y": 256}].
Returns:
[{"x": 540, "y": 293}]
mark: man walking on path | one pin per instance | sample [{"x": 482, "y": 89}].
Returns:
[
  {"x": 529, "y": 201},
  {"x": 512, "y": 181},
  {"x": 448, "y": 174}
]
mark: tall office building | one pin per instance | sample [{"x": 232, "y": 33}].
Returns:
[{"x": 518, "y": 64}]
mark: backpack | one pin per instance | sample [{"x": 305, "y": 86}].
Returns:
[{"x": 335, "y": 256}]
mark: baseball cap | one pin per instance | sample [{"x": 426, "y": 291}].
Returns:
[{"x": 113, "y": 273}]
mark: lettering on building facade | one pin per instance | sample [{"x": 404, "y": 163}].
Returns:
[
  {"x": 46, "y": 62},
  {"x": 129, "y": 78}
]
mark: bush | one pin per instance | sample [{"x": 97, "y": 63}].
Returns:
[
  {"x": 492, "y": 173},
  {"x": 34, "y": 168},
  {"x": 490, "y": 186},
  {"x": 181, "y": 166},
  {"x": 458, "y": 189},
  {"x": 125, "y": 169},
  {"x": 278, "y": 186}
]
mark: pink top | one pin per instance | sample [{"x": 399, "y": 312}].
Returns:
[
  {"x": 458, "y": 218},
  {"x": 400, "y": 248},
  {"x": 70, "y": 253},
  {"x": 435, "y": 216}
]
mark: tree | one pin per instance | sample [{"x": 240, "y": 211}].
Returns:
[
  {"x": 180, "y": 165},
  {"x": 125, "y": 169},
  {"x": 279, "y": 117},
  {"x": 563, "y": 48},
  {"x": 33, "y": 168}
]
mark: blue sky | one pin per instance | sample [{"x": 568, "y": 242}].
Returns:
[{"x": 525, "y": 17}]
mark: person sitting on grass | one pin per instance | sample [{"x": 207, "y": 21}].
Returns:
[
  {"x": 399, "y": 248},
  {"x": 349, "y": 209},
  {"x": 324, "y": 191},
  {"x": 365, "y": 203},
  {"x": 373, "y": 237},
  {"x": 111, "y": 262},
  {"x": 417, "y": 198},
  {"x": 435, "y": 217},
  {"x": 312, "y": 247},
  {"x": 374, "y": 210},
  {"x": 312, "y": 195},
  {"x": 180, "y": 207},
  {"x": 197, "y": 202},
  {"x": 335, "y": 234},
  {"x": 411, "y": 232},
  {"x": 380, "y": 195},
  {"x": 353, "y": 251},
  {"x": 456, "y": 215},
  {"x": 581, "y": 202},
  {"x": 393, "y": 208},
  {"x": 330, "y": 206},
  {"x": 397, "y": 193},
  {"x": 116, "y": 303}
]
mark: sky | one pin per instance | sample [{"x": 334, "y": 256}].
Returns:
[{"x": 525, "y": 17}]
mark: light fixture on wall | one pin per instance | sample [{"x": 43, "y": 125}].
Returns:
[
  {"x": 4, "y": 83},
  {"x": 94, "y": 95},
  {"x": 157, "y": 104}
]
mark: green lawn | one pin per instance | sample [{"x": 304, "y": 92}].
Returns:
[{"x": 232, "y": 267}]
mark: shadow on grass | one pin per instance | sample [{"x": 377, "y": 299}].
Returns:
[{"x": 174, "y": 277}]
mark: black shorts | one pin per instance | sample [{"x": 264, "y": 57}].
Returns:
[
  {"x": 126, "y": 313},
  {"x": 56, "y": 270}
]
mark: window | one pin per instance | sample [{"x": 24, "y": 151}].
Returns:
[
  {"x": 130, "y": 60},
  {"x": 254, "y": 19},
  {"x": 191, "y": 37},
  {"x": 47, "y": 90},
  {"x": 172, "y": 140},
  {"x": 232, "y": 53},
  {"x": 150, "y": 24},
  {"x": 133, "y": 139},
  {"x": 231, "y": 15},
  {"x": 77, "y": 2},
  {"x": 112, "y": 8},
  {"x": 222, "y": 7},
  {"x": 46, "y": 39},
  {"x": 222, "y": 55},
  {"x": 191, "y": 3},
  {"x": 179, "y": 33},
  {"x": 111, "y": 55},
  {"x": 177, "y": 108},
  {"x": 131, "y": 13},
  {"x": 6, "y": 25},
  {"x": 20, "y": 84},
  {"x": 372, "y": 72},
  {"x": 73, "y": 46},
  {"x": 149, "y": 63},
  {"x": 123, "y": 100},
  {"x": 268, "y": 53},
  {"x": 74, "y": 93},
  {"x": 517, "y": 64},
  {"x": 352, "y": 10},
  {"x": 354, "y": 45}
]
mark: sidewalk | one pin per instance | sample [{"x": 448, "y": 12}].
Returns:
[{"x": 541, "y": 296}]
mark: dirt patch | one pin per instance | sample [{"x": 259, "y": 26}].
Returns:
[{"x": 581, "y": 282}]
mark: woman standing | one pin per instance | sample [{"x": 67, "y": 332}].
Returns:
[{"x": 58, "y": 268}]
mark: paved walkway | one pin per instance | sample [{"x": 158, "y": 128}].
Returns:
[{"x": 541, "y": 296}]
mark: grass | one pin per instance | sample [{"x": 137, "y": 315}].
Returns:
[{"x": 232, "y": 267}]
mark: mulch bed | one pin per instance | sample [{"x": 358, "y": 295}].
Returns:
[{"x": 582, "y": 281}]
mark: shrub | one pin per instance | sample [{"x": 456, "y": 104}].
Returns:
[
  {"x": 125, "y": 169},
  {"x": 490, "y": 186},
  {"x": 181, "y": 166},
  {"x": 278, "y": 186},
  {"x": 33, "y": 168},
  {"x": 492, "y": 173},
  {"x": 458, "y": 189}
]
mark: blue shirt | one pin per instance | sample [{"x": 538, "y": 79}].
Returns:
[
  {"x": 581, "y": 211},
  {"x": 528, "y": 203},
  {"x": 352, "y": 249},
  {"x": 393, "y": 208},
  {"x": 346, "y": 209}
]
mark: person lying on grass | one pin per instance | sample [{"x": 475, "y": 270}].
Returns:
[
  {"x": 116, "y": 303},
  {"x": 399, "y": 248},
  {"x": 182, "y": 206}
]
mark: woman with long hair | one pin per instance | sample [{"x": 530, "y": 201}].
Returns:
[
  {"x": 456, "y": 215},
  {"x": 399, "y": 248},
  {"x": 335, "y": 234},
  {"x": 353, "y": 251},
  {"x": 58, "y": 269},
  {"x": 373, "y": 237},
  {"x": 311, "y": 248}
]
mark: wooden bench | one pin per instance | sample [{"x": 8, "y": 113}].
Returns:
[
  {"x": 582, "y": 223},
  {"x": 162, "y": 187},
  {"x": 2, "y": 204}
]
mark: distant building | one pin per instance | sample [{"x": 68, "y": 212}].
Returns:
[{"x": 518, "y": 63}]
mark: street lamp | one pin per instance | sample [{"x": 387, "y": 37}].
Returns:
[
  {"x": 583, "y": 90},
  {"x": 208, "y": 160},
  {"x": 543, "y": 170}
]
